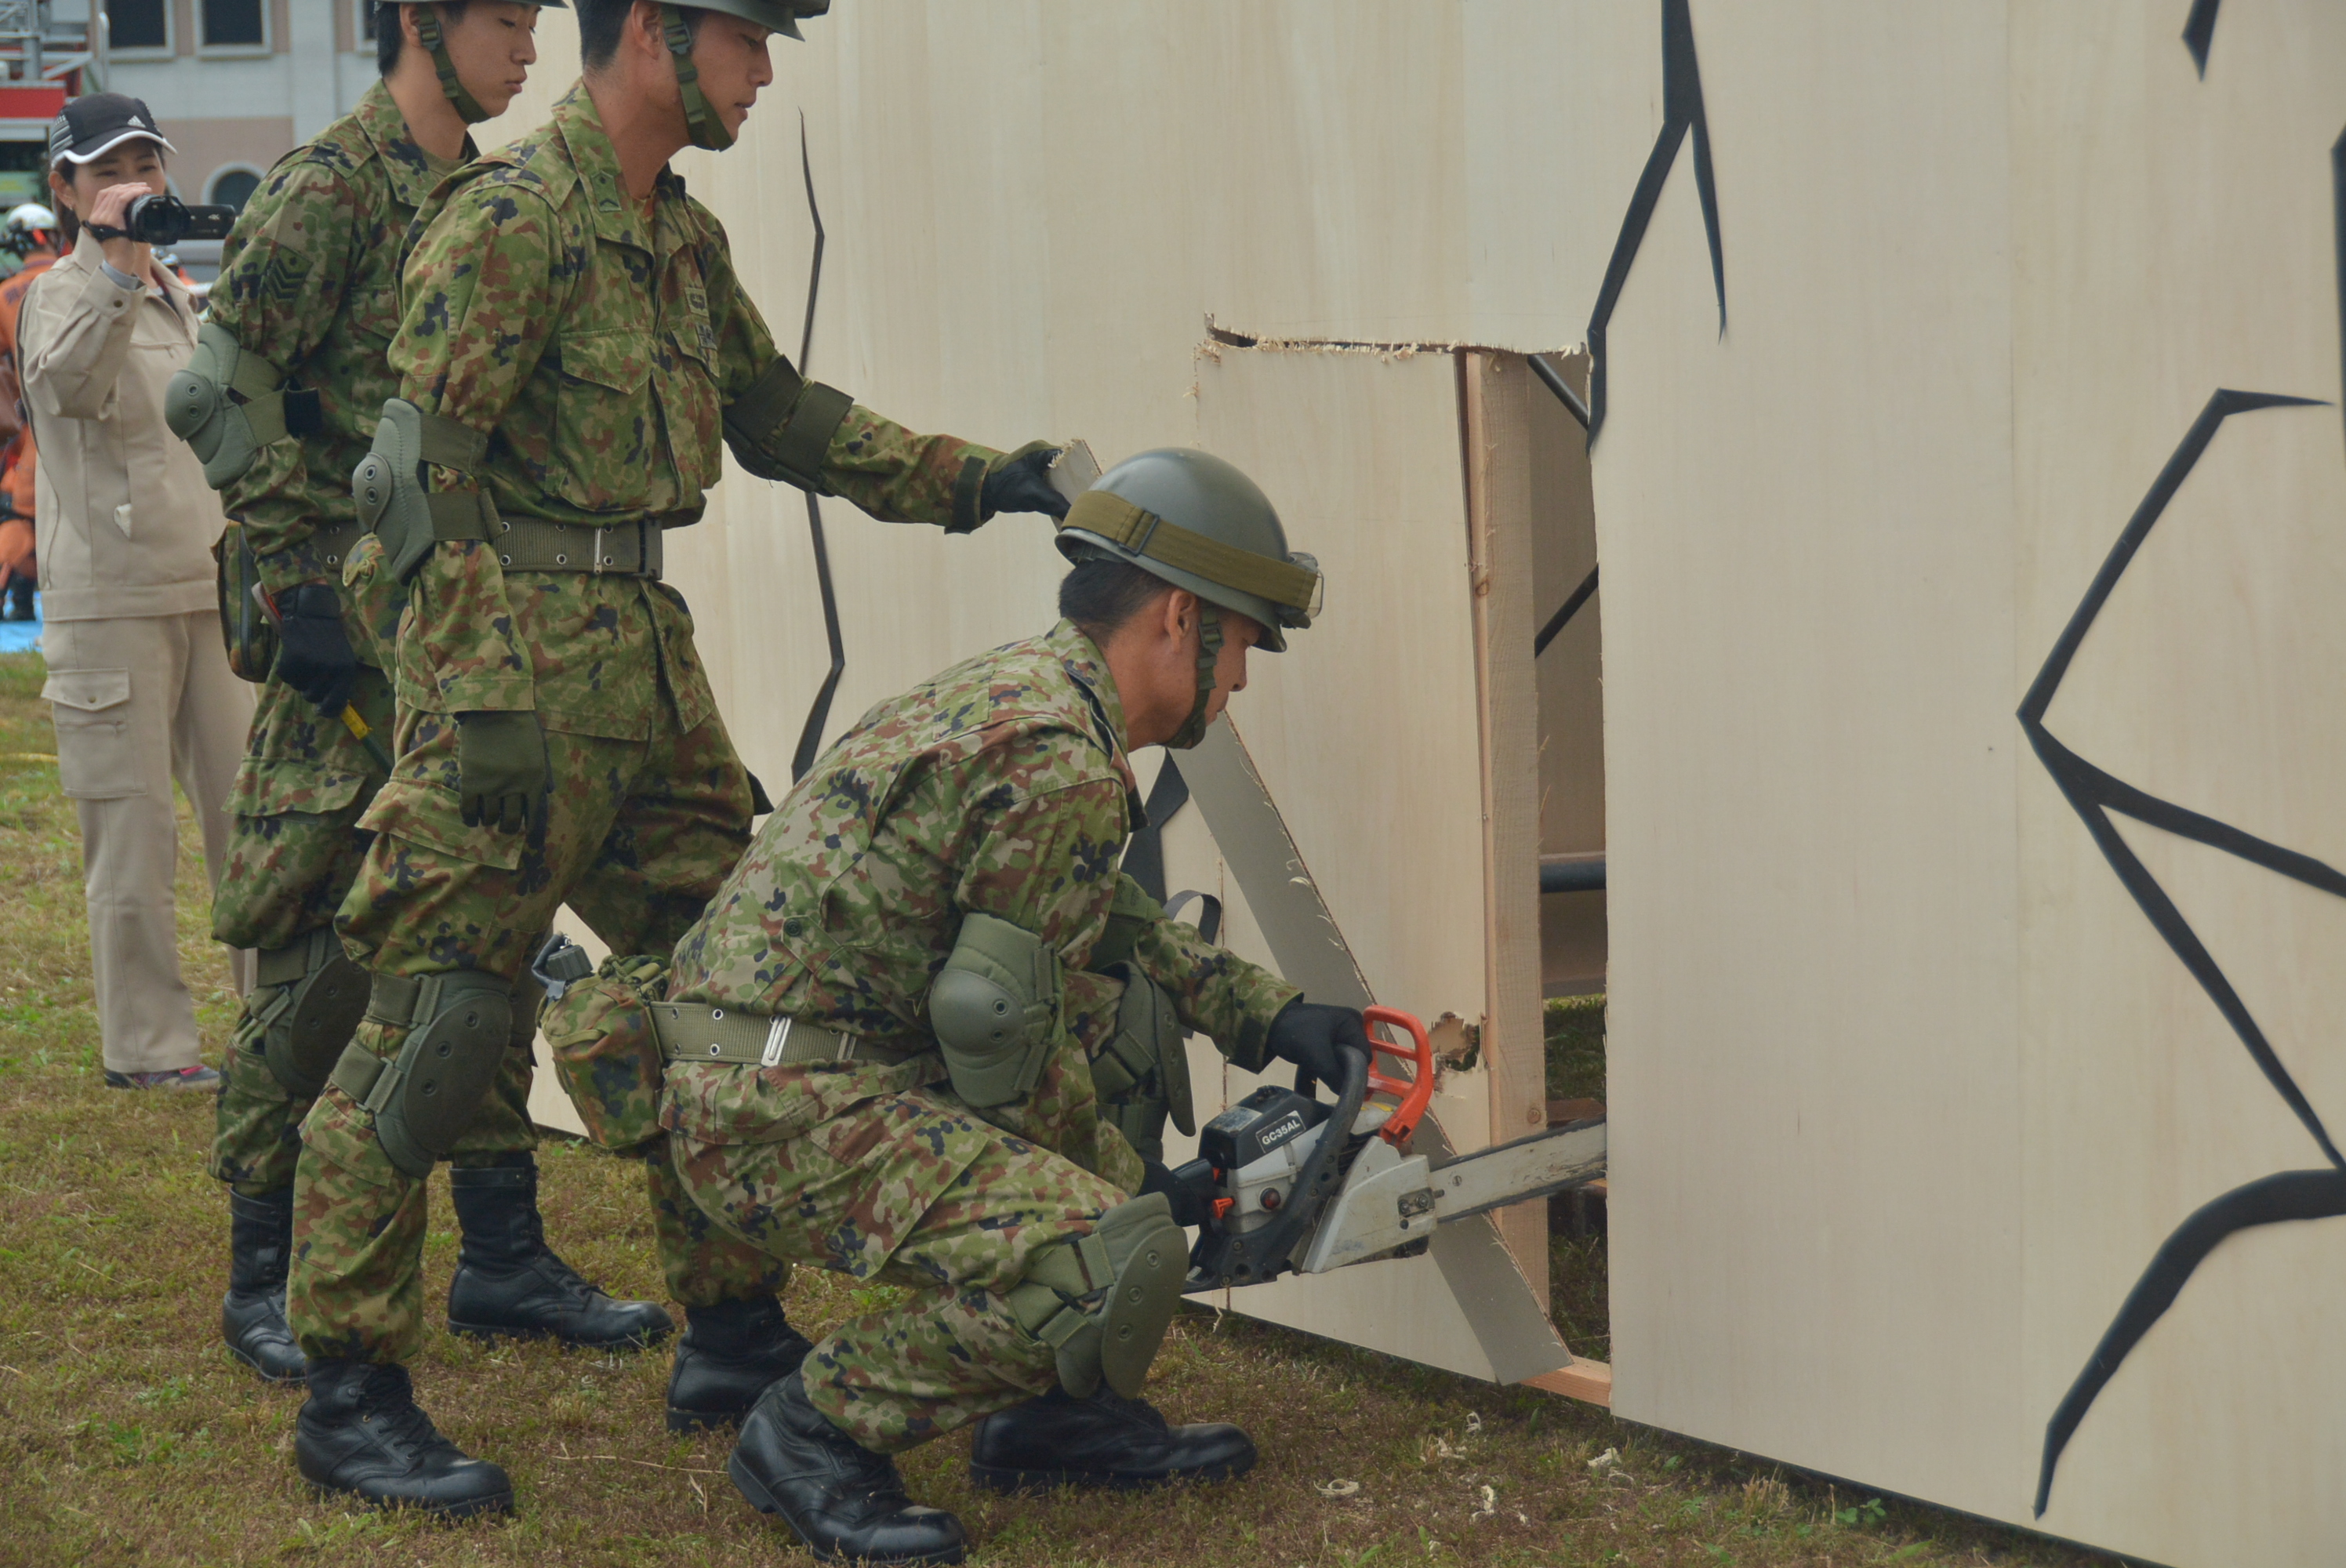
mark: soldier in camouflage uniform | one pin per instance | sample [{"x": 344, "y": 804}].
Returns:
[
  {"x": 574, "y": 339},
  {"x": 302, "y": 317},
  {"x": 890, "y": 1039}
]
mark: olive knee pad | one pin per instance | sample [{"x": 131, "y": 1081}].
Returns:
[
  {"x": 1142, "y": 1072},
  {"x": 459, "y": 1025},
  {"x": 1103, "y": 1301},
  {"x": 995, "y": 1007},
  {"x": 320, "y": 997}
]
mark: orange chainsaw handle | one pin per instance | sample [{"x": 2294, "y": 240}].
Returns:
[{"x": 1415, "y": 1092}]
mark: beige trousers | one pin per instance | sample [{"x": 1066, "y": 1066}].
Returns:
[{"x": 139, "y": 702}]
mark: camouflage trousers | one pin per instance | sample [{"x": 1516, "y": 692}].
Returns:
[
  {"x": 293, "y": 853},
  {"x": 634, "y": 838},
  {"x": 917, "y": 1190}
]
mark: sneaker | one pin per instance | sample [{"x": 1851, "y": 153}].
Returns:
[{"x": 197, "y": 1077}]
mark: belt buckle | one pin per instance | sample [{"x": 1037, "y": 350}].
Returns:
[
  {"x": 777, "y": 1035},
  {"x": 846, "y": 1049},
  {"x": 598, "y": 553}
]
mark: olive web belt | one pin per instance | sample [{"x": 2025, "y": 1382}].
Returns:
[
  {"x": 630, "y": 549},
  {"x": 695, "y": 1031}
]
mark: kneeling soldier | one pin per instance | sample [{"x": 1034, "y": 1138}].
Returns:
[
  {"x": 883, "y": 1035},
  {"x": 575, "y": 341}
]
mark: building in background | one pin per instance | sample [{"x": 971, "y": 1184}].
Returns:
[{"x": 235, "y": 82}]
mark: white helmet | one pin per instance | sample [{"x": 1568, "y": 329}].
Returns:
[{"x": 28, "y": 225}]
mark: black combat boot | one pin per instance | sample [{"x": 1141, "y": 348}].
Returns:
[
  {"x": 729, "y": 1354},
  {"x": 1104, "y": 1440},
  {"x": 252, "y": 1313},
  {"x": 509, "y": 1283},
  {"x": 844, "y": 1501},
  {"x": 361, "y": 1432}
]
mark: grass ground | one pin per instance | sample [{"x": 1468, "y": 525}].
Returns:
[{"x": 126, "y": 1435}]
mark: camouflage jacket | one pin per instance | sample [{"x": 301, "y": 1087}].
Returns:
[
  {"x": 1001, "y": 785},
  {"x": 596, "y": 340},
  {"x": 309, "y": 281}
]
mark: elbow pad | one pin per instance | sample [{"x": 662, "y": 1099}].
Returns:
[
  {"x": 995, "y": 1010},
  {"x": 388, "y": 485},
  {"x": 781, "y": 427},
  {"x": 227, "y": 405}
]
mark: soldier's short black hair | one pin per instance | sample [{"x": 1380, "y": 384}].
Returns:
[
  {"x": 600, "y": 22},
  {"x": 390, "y": 37},
  {"x": 1103, "y": 593}
]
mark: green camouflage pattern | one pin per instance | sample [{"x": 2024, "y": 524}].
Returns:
[
  {"x": 309, "y": 281},
  {"x": 635, "y": 843},
  {"x": 913, "y": 1190},
  {"x": 295, "y": 851},
  {"x": 596, "y": 341},
  {"x": 1001, "y": 786},
  {"x": 599, "y": 349}
]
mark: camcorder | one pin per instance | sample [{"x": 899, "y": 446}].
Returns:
[{"x": 167, "y": 220}]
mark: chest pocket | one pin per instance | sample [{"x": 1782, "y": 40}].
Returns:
[
  {"x": 687, "y": 377},
  {"x": 604, "y": 430}
]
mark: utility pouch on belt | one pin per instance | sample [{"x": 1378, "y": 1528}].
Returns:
[
  {"x": 995, "y": 1008},
  {"x": 388, "y": 485},
  {"x": 245, "y": 628},
  {"x": 1142, "y": 1072},
  {"x": 320, "y": 997},
  {"x": 459, "y": 1028},
  {"x": 781, "y": 425},
  {"x": 606, "y": 1051}
]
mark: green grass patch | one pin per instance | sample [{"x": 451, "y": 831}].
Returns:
[{"x": 128, "y": 1437}]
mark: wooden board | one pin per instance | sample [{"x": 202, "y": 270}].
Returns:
[{"x": 1905, "y": 1091}]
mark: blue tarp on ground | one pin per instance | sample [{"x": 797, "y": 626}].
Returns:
[{"x": 22, "y": 636}]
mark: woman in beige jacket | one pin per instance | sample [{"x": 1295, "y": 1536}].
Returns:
[{"x": 138, "y": 681}]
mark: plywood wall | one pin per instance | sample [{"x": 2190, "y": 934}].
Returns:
[{"x": 1906, "y": 1091}]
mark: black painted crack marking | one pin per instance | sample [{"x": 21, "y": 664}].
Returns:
[
  {"x": 1682, "y": 111},
  {"x": 2200, "y": 31},
  {"x": 819, "y": 713},
  {"x": 2094, "y": 795}
]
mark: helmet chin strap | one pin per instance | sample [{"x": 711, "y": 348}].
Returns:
[
  {"x": 700, "y": 118},
  {"x": 427, "y": 29},
  {"x": 1209, "y": 657}
]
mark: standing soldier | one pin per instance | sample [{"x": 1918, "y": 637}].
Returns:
[
  {"x": 280, "y": 402},
  {"x": 574, "y": 339},
  {"x": 888, "y": 1037}
]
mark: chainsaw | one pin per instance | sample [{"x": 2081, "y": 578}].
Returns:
[{"x": 1288, "y": 1182}]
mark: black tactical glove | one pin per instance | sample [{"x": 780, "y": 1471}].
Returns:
[
  {"x": 501, "y": 770},
  {"x": 314, "y": 653},
  {"x": 1021, "y": 483},
  {"x": 1314, "y": 1037}
]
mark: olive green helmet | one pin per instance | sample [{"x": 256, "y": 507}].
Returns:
[
  {"x": 775, "y": 16},
  {"x": 427, "y": 29},
  {"x": 1194, "y": 520}
]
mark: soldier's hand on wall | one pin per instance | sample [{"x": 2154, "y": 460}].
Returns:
[
  {"x": 314, "y": 654},
  {"x": 501, "y": 769},
  {"x": 1314, "y": 1037},
  {"x": 1021, "y": 483}
]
